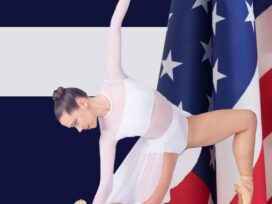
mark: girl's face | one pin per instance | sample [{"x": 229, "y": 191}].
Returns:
[{"x": 82, "y": 118}]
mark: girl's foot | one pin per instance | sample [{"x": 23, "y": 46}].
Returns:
[{"x": 244, "y": 189}]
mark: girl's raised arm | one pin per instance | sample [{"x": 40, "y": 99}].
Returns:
[{"x": 114, "y": 69}]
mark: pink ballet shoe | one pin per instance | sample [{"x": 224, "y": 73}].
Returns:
[{"x": 244, "y": 189}]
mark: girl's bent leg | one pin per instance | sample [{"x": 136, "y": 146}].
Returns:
[{"x": 212, "y": 127}]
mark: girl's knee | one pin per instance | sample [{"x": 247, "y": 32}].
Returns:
[{"x": 250, "y": 117}]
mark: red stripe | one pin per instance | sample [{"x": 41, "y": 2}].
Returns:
[
  {"x": 259, "y": 196},
  {"x": 191, "y": 190},
  {"x": 266, "y": 102},
  {"x": 269, "y": 201},
  {"x": 266, "y": 109}
]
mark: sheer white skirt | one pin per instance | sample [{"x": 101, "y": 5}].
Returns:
[{"x": 138, "y": 175}]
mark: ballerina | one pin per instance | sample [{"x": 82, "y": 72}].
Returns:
[{"x": 126, "y": 107}]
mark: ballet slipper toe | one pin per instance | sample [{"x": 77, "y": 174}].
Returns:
[
  {"x": 244, "y": 189},
  {"x": 81, "y": 201}
]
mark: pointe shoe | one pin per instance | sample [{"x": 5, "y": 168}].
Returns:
[
  {"x": 81, "y": 201},
  {"x": 244, "y": 189}
]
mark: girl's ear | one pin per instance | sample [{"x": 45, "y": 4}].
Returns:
[
  {"x": 82, "y": 102},
  {"x": 78, "y": 101}
]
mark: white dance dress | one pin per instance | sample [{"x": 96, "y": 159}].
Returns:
[{"x": 137, "y": 110}]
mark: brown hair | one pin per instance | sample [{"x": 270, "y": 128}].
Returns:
[{"x": 64, "y": 99}]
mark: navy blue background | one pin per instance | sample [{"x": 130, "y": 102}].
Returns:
[
  {"x": 83, "y": 13},
  {"x": 44, "y": 162}
]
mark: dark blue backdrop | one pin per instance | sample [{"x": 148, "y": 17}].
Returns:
[
  {"x": 94, "y": 13},
  {"x": 44, "y": 162}
]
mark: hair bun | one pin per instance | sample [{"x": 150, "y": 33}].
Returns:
[{"x": 58, "y": 93}]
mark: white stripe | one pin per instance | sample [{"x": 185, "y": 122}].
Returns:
[
  {"x": 264, "y": 40},
  {"x": 268, "y": 164},
  {"x": 35, "y": 61}
]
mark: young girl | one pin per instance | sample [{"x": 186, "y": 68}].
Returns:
[{"x": 126, "y": 107}]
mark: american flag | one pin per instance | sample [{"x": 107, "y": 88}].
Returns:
[{"x": 210, "y": 62}]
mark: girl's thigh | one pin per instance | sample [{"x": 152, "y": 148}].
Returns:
[{"x": 212, "y": 127}]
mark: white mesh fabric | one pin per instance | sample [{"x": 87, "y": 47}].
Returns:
[
  {"x": 150, "y": 177},
  {"x": 107, "y": 148},
  {"x": 161, "y": 117},
  {"x": 115, "y": 92}
]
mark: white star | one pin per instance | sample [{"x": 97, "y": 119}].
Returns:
[
  {"x": 216, "y": 75},
  {"x": 250, "y": 16},
  {"x": 210, "y": 99},
  {"x": 212, "y": 154},
  {"x": 203, "y": 3},
  {"x": 215, "y": 18},
  {"x": 180, "y": 107},
  {"x": 169, "y": 65},
  {"x": 170, "y": 15},
  {"x": 208, "y": 51}
]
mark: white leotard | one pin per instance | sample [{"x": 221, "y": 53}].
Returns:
[{"x": 136, "y": 110}]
